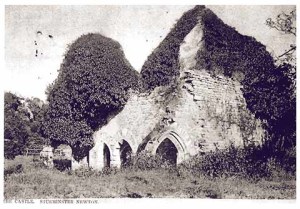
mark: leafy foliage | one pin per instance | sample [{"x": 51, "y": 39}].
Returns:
[
  {"x": 268, "y": 86},
  {"x": 37, "y": 110},
  {"x": 162, "y": 67},
  {"x": 15, "y": 134},
  {"x": 225, "y": 48},
  {"x": 77, "y": 134},
  {"x": 250, "y": 162},
  {"x": 284, "y": 22},
  {"x": 36, "y": 182},
  {"x": 13, "y": 170},
  {"x": 283, "y": 126},
  {"x": 269, "y": 90},
  {"x": 15, "y": 131},
  {"x": 146, "y": 161},
  {"x": 92, "y": 86},
  {"x": 22, "y": 122}
]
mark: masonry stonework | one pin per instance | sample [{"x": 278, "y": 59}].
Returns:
[{"x": 202, "y": 112}]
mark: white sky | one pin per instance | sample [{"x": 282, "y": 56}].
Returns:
[{"x": 139, "y": 29}]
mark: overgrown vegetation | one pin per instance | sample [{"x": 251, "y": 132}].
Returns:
[
  {"x": 269, "y": 89},
  {"x": 92, "y": 86},
  {"x": 251, "y": 162},
  {"x": 162, "y": 66},
  {"x": 269, "y": 83},
  {"x": 35, "y": 181},
  {"x": 146, "y": 161},
  {"x": 22, "y": 124}
]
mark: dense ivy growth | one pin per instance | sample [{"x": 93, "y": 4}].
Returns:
[
  {"x": 226, "y": 49},
  {"x": 269, "y": 90},
  {"x": 161, "y": 67},
  {"x": 92, "y": 85},
  {"x": 77, "y": 134}
]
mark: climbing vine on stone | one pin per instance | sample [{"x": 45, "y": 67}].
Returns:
[
  {"x": 162, "y": 67},
  {"x": 92, "y": 86},
  {"x": 269, "y": 89}
]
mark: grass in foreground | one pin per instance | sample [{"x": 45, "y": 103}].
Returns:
[{"x": 36, "y": 182}]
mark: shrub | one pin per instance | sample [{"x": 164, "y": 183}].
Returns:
[
  {"x": 146, "y": 161},
  {"x": 85, "y": 172},
  {"x": 13, "y": 147},
  {"x": 62, "y": 164},
  {"x": 13, "y": 169},
  {"x": 232, "y": 161},
  {"x": 108, "y": 171}
]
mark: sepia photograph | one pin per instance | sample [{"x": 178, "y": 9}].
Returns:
[{"x": 149, "y": 101}]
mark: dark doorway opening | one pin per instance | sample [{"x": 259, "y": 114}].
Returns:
[
  {"x": 106, "y": 156},
  {"x": 168, "y": 151},
  {"x": 125, "y": 153}
]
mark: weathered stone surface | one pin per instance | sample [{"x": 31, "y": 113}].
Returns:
[
  {"x": 63, "y": 151},
  {"x": 46, "y": 156},
  {"x": 202, "y": 112}
]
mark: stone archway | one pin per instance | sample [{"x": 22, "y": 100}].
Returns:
[
  {"x": 170, "y": 146},
  {"x": 167, "y": 151},
  {"x": 125, "y": 153},
  {"x": 106, "y": 156}
]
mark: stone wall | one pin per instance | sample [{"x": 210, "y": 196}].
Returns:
[
  {"x": 201, "y": 112},
  {"x": 138, "y": 118},
  {"x": 222, "y": 116},
  {"x": 210, "y": 113}
]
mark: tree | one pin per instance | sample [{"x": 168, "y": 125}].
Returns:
[
  {"x": 37, "y": 110},
  {"x": 282, "y": 128},
  {"x": 92, "y": 86},
  {"x": 15, "y": 131},
  {"x": 286, "y": 23},
  {"x": 22, "y": 124}
]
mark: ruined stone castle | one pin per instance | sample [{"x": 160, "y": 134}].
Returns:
[{"x": 200, "y": 112}]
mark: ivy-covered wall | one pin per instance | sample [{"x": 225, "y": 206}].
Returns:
[
  {"x": 196, "y": 93},
  {"x": 201, "y": 111}
]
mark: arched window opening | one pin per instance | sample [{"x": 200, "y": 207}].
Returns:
[
  {"x": 125, "y": 153},
  {"x": 106, "y": 156},
  {"x": 168, "y": 151}
]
